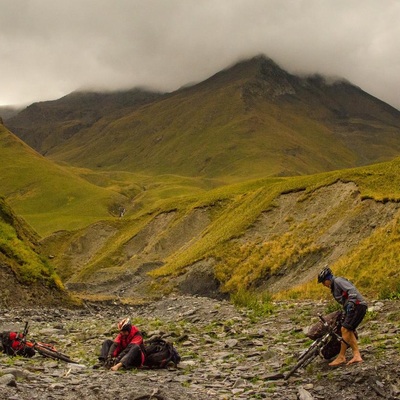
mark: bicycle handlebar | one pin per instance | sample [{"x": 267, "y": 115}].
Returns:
[
  {"x": 25, "y": 332},
  {"x": 320, "y": 316}
]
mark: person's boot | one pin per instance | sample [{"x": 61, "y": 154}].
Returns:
[{"x": 99, "y": 364}]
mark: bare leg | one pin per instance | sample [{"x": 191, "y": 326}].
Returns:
[
  {"x": 116, "y": 367},
  {"x": 351, "y": 339}
]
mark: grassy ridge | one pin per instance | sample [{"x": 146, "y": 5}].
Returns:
[
  {"x": 18, "y": 250},
  {"x": 234, "y": 208},
  {"x": 49, "y": 197}
]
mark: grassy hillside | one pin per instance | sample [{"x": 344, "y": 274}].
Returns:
[
  {"x": 173, "y": 224},
  {"x": 17, "y": 249},
  {"x": 47, "y": 124},
  {"x": 221, "y": 230},
  {"x": 373, "y": 262},
  {"x": 49, "y": 197},
  {"x": 27, "y": 278},
  {"x": 199, "y": 137}
]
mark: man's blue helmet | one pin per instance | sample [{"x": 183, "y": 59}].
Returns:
[{"x": 325, "y": 274}]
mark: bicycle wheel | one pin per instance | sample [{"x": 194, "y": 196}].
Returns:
[
  {"x": 56, "y": 355},
  {"x": 308, "y": 355}
]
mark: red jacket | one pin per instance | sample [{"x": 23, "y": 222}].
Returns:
[{"x": 122, "y": 341}]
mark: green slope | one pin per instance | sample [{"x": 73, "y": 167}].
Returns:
[
  {"x": 27, "y": 276},
  {"x": 17, "y": 249},
  {"x": 158, "y": 234},
  {"x": 253, "y": 143},
  {"x": 48, "y": 196},
  {"x": 53, "y": 198},
  {"x": 372, "y": 263}
]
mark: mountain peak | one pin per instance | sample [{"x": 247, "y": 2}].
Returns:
[
  {"x": 258, "y": 68},
  {"x": 270, "y": 80},
  {"x": 250, "y": 119}
]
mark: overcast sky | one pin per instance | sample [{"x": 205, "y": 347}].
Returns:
[{"x": 49, "y": 48}]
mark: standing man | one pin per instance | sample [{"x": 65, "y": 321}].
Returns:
[{"x": 355, "y": 308}]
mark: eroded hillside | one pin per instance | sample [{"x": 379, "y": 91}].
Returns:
[
  {"x": 332, "y": 221},
  {"x": 285, "y": 246}
]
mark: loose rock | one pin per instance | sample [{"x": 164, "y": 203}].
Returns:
[{"x": 226, "y": 354}]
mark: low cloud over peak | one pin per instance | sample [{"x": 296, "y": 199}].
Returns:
[{"x": 49, "y": 49}]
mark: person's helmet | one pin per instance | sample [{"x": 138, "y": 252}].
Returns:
[
  {"x": 125, "y": 325},
  {"x": 325, "y": 274}
]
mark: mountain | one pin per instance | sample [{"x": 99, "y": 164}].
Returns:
[
  {"x": 8, "y": 112},
  {"x": 46, "y": 124},
  {"x": 250, "y": 120},
  {"x": 167, "y": 162}
]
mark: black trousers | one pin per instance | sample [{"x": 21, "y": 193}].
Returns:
[
  {"x": 130, "y": 357},
  {"x": 354, "y": 318}
]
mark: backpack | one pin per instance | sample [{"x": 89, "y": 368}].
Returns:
[
  {"x": 11, "y": 344},
  {"x": 7, "y": 340},
  {"x": 160, "y": 354},
  {"x": 332, "y": 348},
  {"x": 318, "y": 329}
]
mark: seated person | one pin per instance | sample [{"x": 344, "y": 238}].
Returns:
[{"x": 126, "y": 350}]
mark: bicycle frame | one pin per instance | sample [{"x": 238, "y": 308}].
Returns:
[
  {"x": 45, "y": 349},
  {"x": 315, "y": 348}
]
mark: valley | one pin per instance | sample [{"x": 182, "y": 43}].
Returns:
[{"x": 248, "y": 182}]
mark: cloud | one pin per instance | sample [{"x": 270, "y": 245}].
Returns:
[{"x": 50, "y": 48}]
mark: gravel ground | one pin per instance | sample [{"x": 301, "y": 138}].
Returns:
[{"x": 226, "y": 353}]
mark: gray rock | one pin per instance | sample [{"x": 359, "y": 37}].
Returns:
[
  {"x": 260, "y": 351},
  {"x": 8, "y": 380},
  {"x": 304, "y": 394}
]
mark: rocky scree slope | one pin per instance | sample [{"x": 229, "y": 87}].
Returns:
[{"x": 226, "y": 353}]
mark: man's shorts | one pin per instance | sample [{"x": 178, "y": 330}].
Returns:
[{"x": 354, "y": 317}]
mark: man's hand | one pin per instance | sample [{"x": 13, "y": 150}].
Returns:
[
  {"x": 350, "y": 307},
  {"x": 110, "y": 361}
]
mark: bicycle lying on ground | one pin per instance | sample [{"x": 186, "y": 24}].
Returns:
[
  {"x": 318, "y": 345},
  {"x": 45, "y": 349}
]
